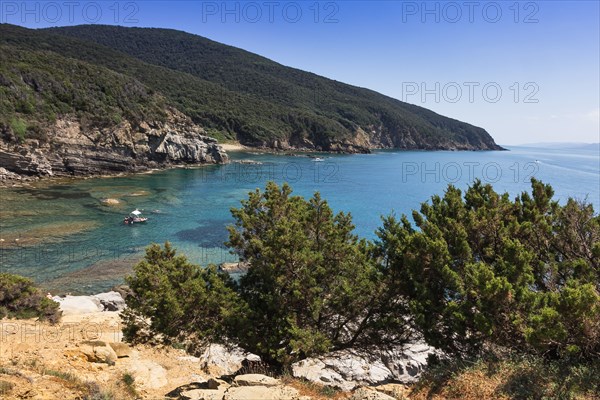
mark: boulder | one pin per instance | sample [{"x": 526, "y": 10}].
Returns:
[
  {"x": 111, "y": 301},
  {"x": 262, "y": 393},
  {"x": 368, "y": 394},
  {"x": 347, "y": 369},
  {"x": 121, "y": 349},
  {"x": 99, "y": 352},
  {"x": 148, "y": 374},
  {"x": 256, "y": 380},
  {"x": 75, "y": 305},
  {"x": 123, "y": 290},
  {"x": 218, "y": 360}
]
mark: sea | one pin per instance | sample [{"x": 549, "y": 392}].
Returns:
[{"x": 67, "y": 236}]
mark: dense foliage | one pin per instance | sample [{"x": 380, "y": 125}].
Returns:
[
  {"x": 37, "y": 87},
  {"x": 311, "y": 286},
  {"x": 21, "y": 298},
  {"x": 236, "y": 94},
  {"x": 481, "y": 270},
  {"x": 478, "y": 274},
  {"x": 184, "y": 302}
]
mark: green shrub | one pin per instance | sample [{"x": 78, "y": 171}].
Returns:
[
  {"x": 311, "y": 286},
  {"x": 19, "y": 128},
  {"x": 181, "y": 301},
  {"x": 20, "y": 298},
  {"x": 482, "y": 270}
]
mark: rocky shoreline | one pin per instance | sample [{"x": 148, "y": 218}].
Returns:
[
  {"x": 346, "y": 370},
  {"x": 74, "y": 151}
]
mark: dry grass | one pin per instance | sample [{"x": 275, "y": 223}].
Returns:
[
  {"x": 314, "y": 390},
  {"x": 514, "y": 379}
]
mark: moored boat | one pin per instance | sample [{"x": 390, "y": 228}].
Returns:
[{"x": 135, "y": 217}]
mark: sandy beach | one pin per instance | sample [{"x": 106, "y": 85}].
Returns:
[{"x": 233, "y": 146}]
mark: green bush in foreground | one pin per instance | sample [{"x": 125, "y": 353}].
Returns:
[
  {"x": 478, "y": 272},
  {"x": 183, "y": 302},
  {"x": 481, "y": 270},
  {"x": 311, "y": 286},
  {"x": 20, "y": 298}
]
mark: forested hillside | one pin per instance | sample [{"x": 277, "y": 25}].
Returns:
[{"x": 234, "y": 94}]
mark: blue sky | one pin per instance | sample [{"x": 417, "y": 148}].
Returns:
[{"x": 526, "y": 71}]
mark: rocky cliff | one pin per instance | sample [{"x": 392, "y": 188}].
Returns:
[{"x": 75, "y": 151}]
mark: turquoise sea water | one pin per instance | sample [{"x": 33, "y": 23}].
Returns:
[{"x": 64, "y": 236}]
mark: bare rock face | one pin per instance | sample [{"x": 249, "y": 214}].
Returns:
[
  {"x": 72, "y": 150},
  {"x": 220, "y": 360},
  {"x": 347, "y": 369}
]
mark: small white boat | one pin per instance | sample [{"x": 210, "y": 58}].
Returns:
[
  {"x": 318, "y": 159},
  {"x": 135, "y": 217}
]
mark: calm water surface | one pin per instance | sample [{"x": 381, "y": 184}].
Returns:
[{"x": 67, "y": 239}]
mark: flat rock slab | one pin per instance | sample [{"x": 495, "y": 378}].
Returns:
[
  {"x": 262, "y": 393},
  {"x": 76, "y": 305},
  {"x": 256, "y": 380},
  {"x": 202, "y": 394},
  {"x": 368, "y": 394}
]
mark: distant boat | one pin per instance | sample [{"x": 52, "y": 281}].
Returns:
[
  {"x": 135, "y": 217},
  {"x": 537, "y": 161},
  {"x": 318, "y": 159}
]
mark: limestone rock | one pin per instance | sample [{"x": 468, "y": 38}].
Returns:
[
  {"x": 75, "y": 150},
  {"x": 121, "y": 349},
  {"x": 148, "y": 374},
  {"x": 347, "y": 369},
  {"x": 368, "y": 394},
  {"x": 202, "y": 394},
  {"x": 261, "y": 392},
  {"x": 256, "y": 380},
  {"x": 99, "y": 352},
  {"x": 218, "y": 360},
  {"x": 111, "y": 301},
  {"x": 75, "y": 305}
]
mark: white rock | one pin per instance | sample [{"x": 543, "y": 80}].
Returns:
[
  {"x": 220, "y": 360},
  {"x": 347, "y": 369},
  {"x": 111, "y": 301},
  {"x": 76, "y": 305}
]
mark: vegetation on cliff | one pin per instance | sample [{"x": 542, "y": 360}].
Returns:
[
  {"x": 239, "y": 95},
  {"x": 37, "y": 87}
]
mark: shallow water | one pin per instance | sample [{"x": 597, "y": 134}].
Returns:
[{"x": 65, "y": 237}]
